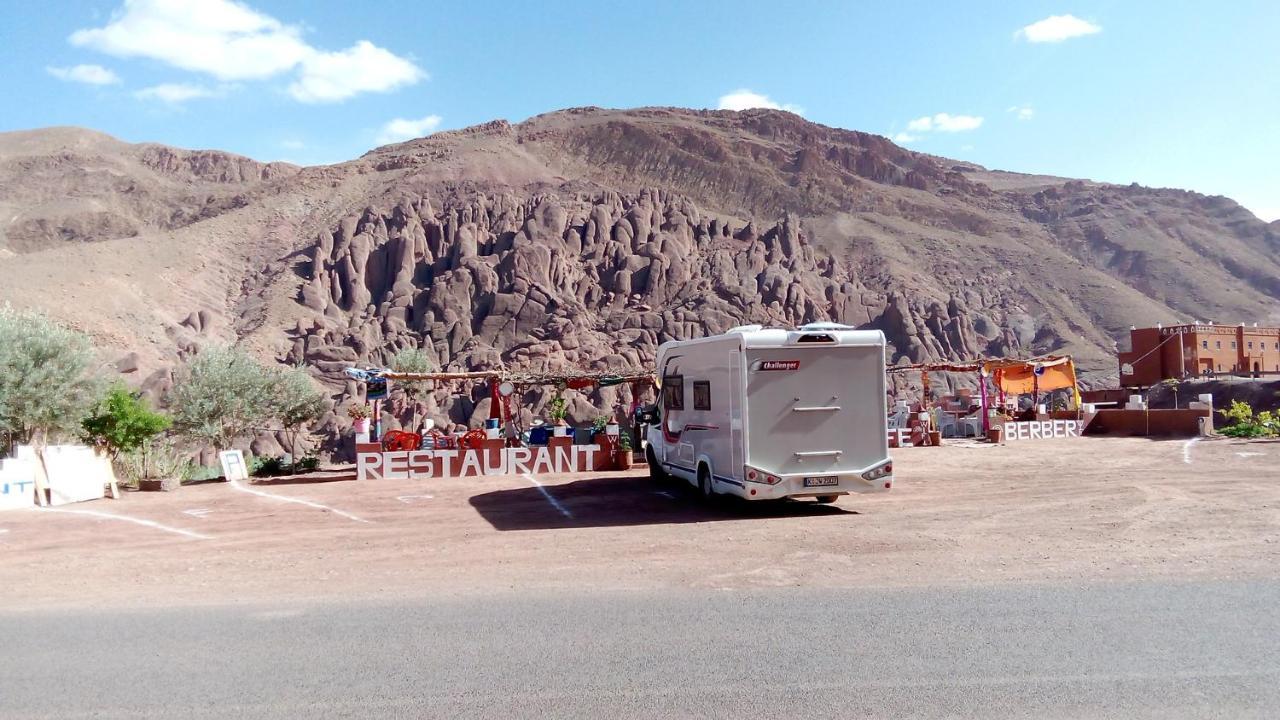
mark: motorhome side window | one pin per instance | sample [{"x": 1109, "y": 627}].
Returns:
[
  {"x": 673, "y": 392},
  {"x": 701, "y": 394}
]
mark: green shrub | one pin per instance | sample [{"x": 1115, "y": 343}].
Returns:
[
  {"x": 310, "y": 463},
  {"x": 1244, "y": 423},
  {"x": 268, "y": 466},
  {"x": 122, "y": 422}
]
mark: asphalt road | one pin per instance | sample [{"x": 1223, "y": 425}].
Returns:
[{"x": 1108, "y": 650}]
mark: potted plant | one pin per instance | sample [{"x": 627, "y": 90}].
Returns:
[
  {"x": 599, "y": 424},
  {"x": 360, "y": 415},
  {"x": 558, "y": 410},
  {"x": 623, "y": 454}
]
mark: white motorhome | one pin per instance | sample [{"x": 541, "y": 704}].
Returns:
[{"x": 766, "y": 413}]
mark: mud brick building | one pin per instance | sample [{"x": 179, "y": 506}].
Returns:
[{"x": 1180, "y": 351}]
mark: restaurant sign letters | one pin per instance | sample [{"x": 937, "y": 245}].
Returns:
[{"x": 422, "y": 464}]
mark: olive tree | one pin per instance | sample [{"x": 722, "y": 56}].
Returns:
[
  {"x": 412, "y": 360},
  {"x": 295, "y": 402},
  {"x": 221, "y": 395},
  {"x": 47, "y": 378}
]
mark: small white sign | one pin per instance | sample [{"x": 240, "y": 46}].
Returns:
[{"x": 233, "y": 467}]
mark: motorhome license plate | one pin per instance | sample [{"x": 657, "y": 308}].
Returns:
[{"x": 821, "y": 481}]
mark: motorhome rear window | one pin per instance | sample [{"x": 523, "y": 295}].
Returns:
[
  {"x": 701, "y": 394},
  {"x": 815, "y": 338},
  {"x": 673, "y": 392}
]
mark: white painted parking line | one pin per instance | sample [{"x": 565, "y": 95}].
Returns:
[
  {"x": 408, "y": 499},
  {"x": 550, "y": 498},
  {"x": 197, "y": 512},
  {"x": 1250, "y": 454},
  {"x": 1186, "y": 449},
  {"x": 126, "y": 518},
  {"x": 283, "y": 498}
]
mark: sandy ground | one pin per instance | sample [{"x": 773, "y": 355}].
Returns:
[{"x": 1071, "y": 510}]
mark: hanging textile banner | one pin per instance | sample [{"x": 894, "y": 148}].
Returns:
[{"x": 1022, "y": 378}]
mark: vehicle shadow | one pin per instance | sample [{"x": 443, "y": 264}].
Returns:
[{"x": 626, "y": 500}]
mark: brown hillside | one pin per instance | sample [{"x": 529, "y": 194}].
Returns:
[{"x": 592, "y": 235}]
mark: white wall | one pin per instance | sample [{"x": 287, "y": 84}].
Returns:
[
  {"x": 17, "y": 484},
  {"x": 76, "y": 473}
]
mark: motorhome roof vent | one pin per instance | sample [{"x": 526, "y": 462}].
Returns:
[
  {"x": 825, "y": 326},
  {"x": 744, "y": 329}
]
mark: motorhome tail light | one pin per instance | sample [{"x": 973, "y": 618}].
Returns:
[
  {"x": 760, "y": 476},
  {"x": 876, "y": 473}
]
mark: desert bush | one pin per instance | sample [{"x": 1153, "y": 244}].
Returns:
[{"x": 154, "y": 459}]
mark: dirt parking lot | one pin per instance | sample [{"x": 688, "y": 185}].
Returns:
[{"x": 1079, "y": 509}]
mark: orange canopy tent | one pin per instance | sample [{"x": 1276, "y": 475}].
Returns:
[
  {"x": 1044, "y": 374},
  {"x": 1009, "y": 376}
]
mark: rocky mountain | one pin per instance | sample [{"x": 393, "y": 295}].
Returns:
[{"x": 584, "y": 238}]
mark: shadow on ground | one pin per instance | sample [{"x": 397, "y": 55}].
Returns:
[
  {"x": 626, "y": 500},
  {"x": 304, "y": 479}
]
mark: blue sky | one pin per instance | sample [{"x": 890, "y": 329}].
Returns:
[{"x": 1174, "y": 94}]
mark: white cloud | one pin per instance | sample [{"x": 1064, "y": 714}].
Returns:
[
  {"x": 1057, "y": 28},
  {"x": 231, "y": 41},
  {"x": 177, "y": 93},
  {"x": 944, "y": 122},
  {"x": 924, "y": 124},
  {"x": 364, "y": 67},
  {"x": 400, "y": 129},
  {"x": 745, "y": 100},
  {"x": 88, "y": 74},
  {"x": 1022, "y": 112},
  {"x": 941, "y": 122}
]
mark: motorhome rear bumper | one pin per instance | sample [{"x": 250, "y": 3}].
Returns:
[{"x": 793, "y": 486}]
